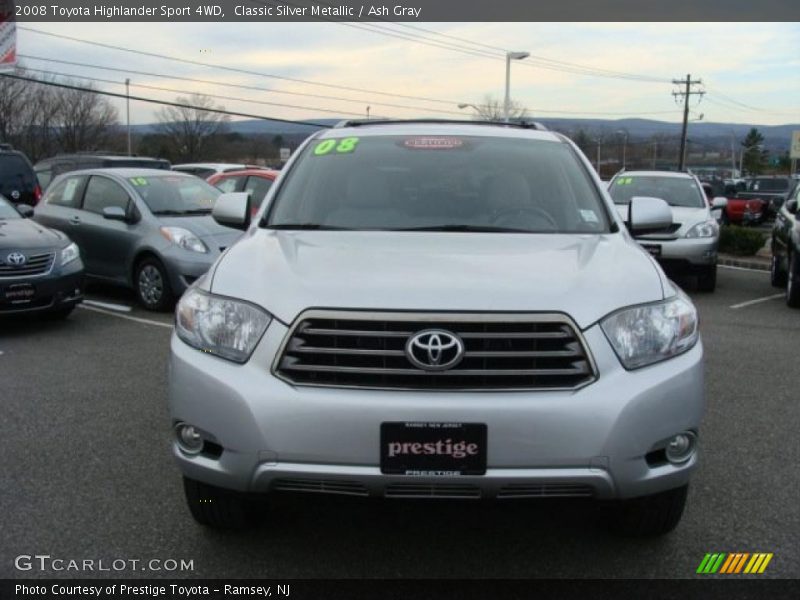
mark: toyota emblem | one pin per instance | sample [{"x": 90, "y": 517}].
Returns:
[
  {"x": 16, "y": 259},
  {"x": 434, "y": 350}
]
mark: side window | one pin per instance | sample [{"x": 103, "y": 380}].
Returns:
[
  {"x": 66, "y": 193},
  {"x": 231, "y": 184},
  {"x": 257, "y": 187},
  {"x": 102, "y": 193},
  {"x": 45, "y": 176}
]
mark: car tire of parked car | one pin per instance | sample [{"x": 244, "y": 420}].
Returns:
[
  {"x": 793, "y": 283},
  {"x": 152, "y": 285},
  {"x": 707, "y": 279},
  {"x": 777, "y": 276},
  {"x": 59, "y": 313},
  {"x": 652, "y": 515},
  {"x": 219, "y": 508}
]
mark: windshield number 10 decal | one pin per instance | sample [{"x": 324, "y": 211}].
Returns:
[{"x": 342, "y": 146}]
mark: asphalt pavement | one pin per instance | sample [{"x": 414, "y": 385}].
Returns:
[{"x": 87, "y": 472}]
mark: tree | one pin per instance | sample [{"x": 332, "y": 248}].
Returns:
[
  {"x": 84, "y": 120},
  {"x": 190, "y": 128},
  {"x": 583, "y": 141},
  {"x": 754, "y": 154},
  {"x": 493, "y": 109}
]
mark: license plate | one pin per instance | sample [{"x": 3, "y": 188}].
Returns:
[
  {"x": 653, "y": 249},
  {"x": 19, "y": 293},
  {"x": 439, "y": 449}
]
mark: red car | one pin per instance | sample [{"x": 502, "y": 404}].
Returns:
[
  {"x": 255, "y": 182},
  {"x": 739, "y": 211}
]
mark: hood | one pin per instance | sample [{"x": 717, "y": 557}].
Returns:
[
  {"x": 19, "y": 234},
  {"x": 206, "y": 228},
  {"x": 685, "y": 216},
  {"x": 585, "y": 276}
]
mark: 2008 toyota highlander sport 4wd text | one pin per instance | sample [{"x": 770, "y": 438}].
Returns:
[{"x": 438, "y": 309}]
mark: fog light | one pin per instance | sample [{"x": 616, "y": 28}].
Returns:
[
  {"x": 681, "y": 447},
  {"x": 189, "y": 439}
]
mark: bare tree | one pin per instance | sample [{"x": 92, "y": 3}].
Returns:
[
  {"x": 493, "y": 109},
  {"x": 85, "y": 121},
  {"x": 189, "y": 128}
]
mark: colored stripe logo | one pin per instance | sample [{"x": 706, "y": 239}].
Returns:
[{"x": 734, "y": 563}]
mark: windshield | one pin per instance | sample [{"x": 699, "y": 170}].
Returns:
[
  {"x": 439, "y": 182},
  {"x": 768, "y": 185},
  {"x": 175, "y": 194},
  {"x": 675, "y": 191},
  {"x": 7, "y": 210}
]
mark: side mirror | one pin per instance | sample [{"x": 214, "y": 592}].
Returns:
[
  {"x": 233, "y": 210},
  {"x": 114, "y": 213},
  {"x": 719, "y": 202},
  {"x": 791, "y": 206},
  {"x": 648, "y": 215},
  {"x": 25, "y": 210}
]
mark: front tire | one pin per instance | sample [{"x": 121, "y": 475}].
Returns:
[
  {"x": 152, "y": 285},
  {"x": 707, "y": 279},
  {"x": 793, "y": 283},
  {"x": 219, "y": 508},
  {"x": 776, "y": 275},
  {"x": 648, "y": 516},
  {"x": 59, "y": 314}
]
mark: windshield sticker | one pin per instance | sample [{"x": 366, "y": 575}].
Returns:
[
  {"x": 433, "y": 143},
  {"x": 69, "y": 190},
  {"x": 624, "y": 180},
  {"x": 138, "y": 181},
  {"x": 336, "y": 146},
  {"x": 589, "y": 216}
]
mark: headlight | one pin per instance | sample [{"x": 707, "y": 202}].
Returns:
[
  {"x": 705, "y": 229},
  {"x": 184, "y": 238},
  {"x": 646, "y": 334},
  {"x": 220, "y": 326},
  {"x": 69, "y": 254}
]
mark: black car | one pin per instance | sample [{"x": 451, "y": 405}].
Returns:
[
  {"x": 786, "y": 249},
  {"x": 40, "y": 268},
  {"x": 17, "y": 178},
  {"x": 47, "y": 169}
]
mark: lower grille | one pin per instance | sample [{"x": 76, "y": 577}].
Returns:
[
  {"x": 546, "y": 490},
  {"x": 320, "y": 486},
  {"x": 500, "y": 351},
  {"x": 432, "y": 490},
  {"x": 35, "y": 264}
]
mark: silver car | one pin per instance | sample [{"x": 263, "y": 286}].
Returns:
[
  {"x": 437, "y": 310},
  {"x": 147, "y": 229},
  {"x": 689, "y": 245}
]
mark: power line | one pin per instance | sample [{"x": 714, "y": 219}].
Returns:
[{"x": 162, "y": 102}]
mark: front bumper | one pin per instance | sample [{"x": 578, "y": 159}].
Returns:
[
  {"x": 687, "y": 253},
  {"x": 58, "y": 290},
  {"x": 592, "y": 441}
]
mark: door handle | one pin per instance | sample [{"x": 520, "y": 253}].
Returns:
[{"x": 75, "y": 220}]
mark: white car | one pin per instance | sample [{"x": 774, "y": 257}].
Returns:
[{"x": 206, "y": 170}]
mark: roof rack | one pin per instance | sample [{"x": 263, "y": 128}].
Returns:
[{"x": 374, "y": 122}]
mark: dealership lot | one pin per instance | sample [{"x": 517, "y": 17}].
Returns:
[{"x": 87, "y": 471}]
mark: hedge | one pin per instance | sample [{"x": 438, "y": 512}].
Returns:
[{"x": 741, "y": 241}]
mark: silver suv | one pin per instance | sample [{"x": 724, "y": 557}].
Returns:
[{"x": 437, "y": 310}]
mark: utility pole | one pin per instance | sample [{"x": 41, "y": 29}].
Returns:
[
  {"x": 128, "y": 110},
  {"x": 655, "y": 153},
  {"x": 688, "y": 83}
]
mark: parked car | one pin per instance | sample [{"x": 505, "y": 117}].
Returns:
[
  {"x": 689, "y": 245},
  {"x": 206, "y": 170},
  {"x": 785, "y": 270},
  {"x": 146, "y": 229},
  {"x": 18, "y": 183},
  {"x": 40, "y": 268},
  {"x": 49, "y": 168},
  {"x": 255, "y": 182},
  {"x": 771, "y": 190},
  {"x": 433, "y": 309},
  {"x": 742, "y": 211}
]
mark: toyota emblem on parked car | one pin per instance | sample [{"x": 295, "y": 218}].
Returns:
[
  {"x": 16, "y": 259},
  {"x": 435, "y": 350}
]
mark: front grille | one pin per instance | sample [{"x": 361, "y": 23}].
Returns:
[
  {"x": 432, "y": 490},
  {"x": 321, "y": 486},
  {"x": 546, "y": 490},
  {"x": 501, "y": 351},
  {"x": 36, "y": 264}
]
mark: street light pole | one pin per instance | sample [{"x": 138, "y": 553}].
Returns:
[
  {"x": 624, "y": 147},
  {"x": 128, "y": 110},
  {"x": 507, "y": 103}
]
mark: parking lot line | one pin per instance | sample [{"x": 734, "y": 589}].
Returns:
[
  {"x": 129, "y": 318},
  {"x": 109, "y": 305},
  {"x": 742, "y": 269},
  {"x": 756, "y": 301}
]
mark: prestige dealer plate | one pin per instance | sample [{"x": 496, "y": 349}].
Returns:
[{"x": 423, "y": 448}]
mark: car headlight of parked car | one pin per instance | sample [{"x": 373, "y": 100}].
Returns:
[
  {"x": 705, "y": 229},
  {"x": 184, "y": 238},
  {"x": 219, "y": 325},
  {"x": 646, "y": 334},
  {"x": 69, "y": 254}
]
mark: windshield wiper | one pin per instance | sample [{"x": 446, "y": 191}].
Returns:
[
  {"x": 318, "y": 226},
  {"x": 468, "y": 228}
]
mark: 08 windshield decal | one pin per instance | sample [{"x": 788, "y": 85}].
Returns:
[{"x": 336, "y": 146}]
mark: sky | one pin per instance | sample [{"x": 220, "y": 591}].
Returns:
[{"x": 749, "y": 70}]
